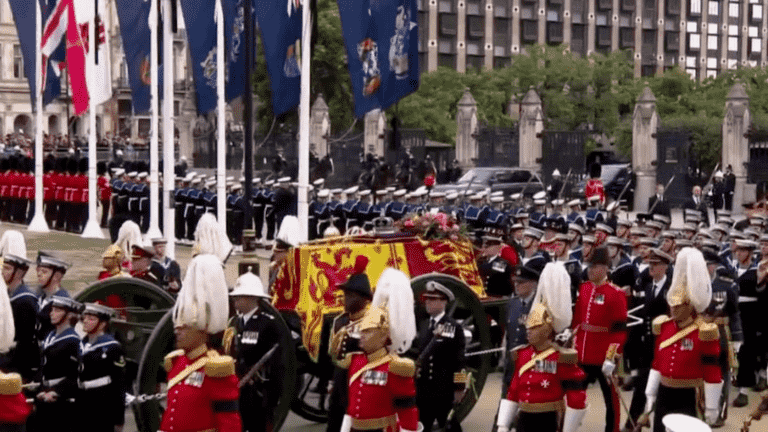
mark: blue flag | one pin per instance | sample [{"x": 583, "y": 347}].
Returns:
[
  {"x": 201, "y": 35},
  {"x": 234, "y": 27},
  {"x": 24, "y": 15},
  {"x": 135, "y": 32},
  {"x": 381, "y": 38},
  {"x": 280, "y": 24}
]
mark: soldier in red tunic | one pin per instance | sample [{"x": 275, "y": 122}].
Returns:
[
  {"x": 687, "y": 347},
  {"x": 382, "y": 391},
  {"x": 14, "y": 408},
  {"x": 599, "y": 325},
  {"x": 594, "y": 191},
  {"x": 202, "y": 386},
  {"x": 545, "y": 374}
]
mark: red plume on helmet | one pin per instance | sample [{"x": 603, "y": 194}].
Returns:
[{"x": 361, "y": 262}]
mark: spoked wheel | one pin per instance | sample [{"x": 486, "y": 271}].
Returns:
[
  {"x": 138, "y": 304},
  {"x": 470, "y": 313},
  {"x": 312, "y": 397},
  {"x": 152, "y": 377}
]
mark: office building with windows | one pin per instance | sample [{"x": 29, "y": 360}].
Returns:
[{"x": 704, "y": 37}]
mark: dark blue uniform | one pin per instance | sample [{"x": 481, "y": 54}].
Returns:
[
  {"x": 101, "y": 395},
  {"x": 44, "y": 313},
  {"x": 142, "y": 191},
  {"x": 259, "y": 202},
  {"x": 58, "y": 372},
  {"x": 180, "y": 199},
  {"x": 193, "y": 213},
  {"x": 25, "y": 356}
]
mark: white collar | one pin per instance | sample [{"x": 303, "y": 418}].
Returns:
[
  {"x": 660, "y": 282},
  {"x": 436, "y": 319},
  {"x": 250, "y": 314}
]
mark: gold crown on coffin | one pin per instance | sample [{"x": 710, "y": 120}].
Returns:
[
  {"x": 538, "y": 315},
  {"x": 375, "y": 318}
]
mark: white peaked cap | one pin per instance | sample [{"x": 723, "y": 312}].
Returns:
[
  {"x": 540, "y": 195},
  {"x": 248, "y": 284},
  {"x": 690, "y": 280},
  {"x": 556, "y": 172},
  {"x": 203, "y": 302},
  {"x": 394, "y": 294},
  {"x": 12, "y": 243},
  {"x": 210, "y": 238},
  {"x": 289, "y": 231},
  {"x": 554, "y": 292}
]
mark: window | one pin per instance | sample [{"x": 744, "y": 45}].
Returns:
[
  {"x": 757, "y": 45},
  {"x": 627, "y": 37},
  {"x": 694, "y": 41},
  {"x": 604, "y": 36},
  {"x": 554, "y": 32},
  {"x": 553, "y": 15},
  {"x": 673, "y": 7},
  {"x": 757, "y": 12},
  {"x": 753, "y": 32},
  {"x": 733, "y": 30},
  {"x": 18, "y": 62},
  {"x": 711, "y": 73},
  {"x": 530, "y": 31},
  {"x": 714, "y": 8},
  {"x": 445, "y": 6},
  {"x": 602, "y": 19},
  {"x": 692, "y": 27},
  {"x": 499, "y": 51},
  {"x": 733, "y": 10},
  {"x": 672, "y": 41},
  {"x": 690, "y": 62},
  {"x": 500, "y": 11},
  {"x": 475, "y": 26},
  {"x": 526, "y": 12},
  {"x": 733, "y": 44},
  {"x": 628, "y": 5},
  {"x": 695, "y": 7},
  {"x": 473, "y": 8},
  {"x": 712, "y": 42},
  {"x": 711, "y": 63},
  {"x": 448, "y": 24},
  {"x": 445, "y": 46},
  {"x": 473, "y": 48}
]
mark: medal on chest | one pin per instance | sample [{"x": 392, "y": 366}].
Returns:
[
  {"x": 377, "y": 378},
  {"x": 599, "y": 299},
  {"x": 499, "y": 266},
  {"x": 446, "y": 330},
  {"x": 686, "y": 344},
  {"x": 195, "y": 379},
  {"x": 545, "y": 366},
  {"x": 250, "y": 337}
]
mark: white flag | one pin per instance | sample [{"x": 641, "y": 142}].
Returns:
[{"x": 98, "y": 76}]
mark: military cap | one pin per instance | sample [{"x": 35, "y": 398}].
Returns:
[
  {"x": 358, "y": 283},
  {"x": 65, "y": 303},
  {"x": 637, "y": 231},
  {"x": 142, "y": 251},
  {"x": 624, "y": 222},
  {"x": 662, "y": 218},
  {"x": 689, "y": 227},
  {"x": 398, "y": 193},
  {"x": 113, "y": 251},
  {"x": 104, "y": 312},
  {"x": 48, "y": 259},
  {"x": 647, "y": 241},
  {"x": 527, "y": 273},
  {"x": 576, "y": 227},
  {"x": 719, "y": 227},
  {"x": 436, "y": 290},
  {"x": 574, "y": 202},
  {"x": 681, "y": 243},
  {"x": 745, "y": 244},
  {"x": 236, "y": 186},
  {"x": 323, "y": 193},
  {"x": 706, "y": 242},
  {"x": 533, "y": 232},
  {"x": 603, "y": 227},
  {"x": 614, "y": 241},
  {"x": 710, "y": 255},
  {"x": 657, "y": 255},
  {"x": 589, "y": 239},
  {"x": 451, "y": 196},
  {"x": 17, "y": 260},
  {"x": 655, "y": 225},
  {"x": 668, "y": 234}
]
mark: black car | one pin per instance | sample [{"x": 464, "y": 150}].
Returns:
[
  {"x": 509, "y": 180},
  {"x": 615, "y": 177}
]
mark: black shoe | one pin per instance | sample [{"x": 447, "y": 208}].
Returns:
[
  {"x": 741, "y": 401},
  {"x": 761, "y": 386},
  {"x": 718, "y": 424}
]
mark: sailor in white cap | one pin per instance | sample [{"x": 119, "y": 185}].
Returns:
[
  {"x": 348, "y": 207},
  {"x": 101, "y": 371},
  {"x": 202, "y": 386},
  {"x": 687, "y": 348},
  {"x": 25, "y": 356},
  {"x": 254, "y": 332},
  {"x": 54, "y": 408},
  {"x": 50, "y": 271}
]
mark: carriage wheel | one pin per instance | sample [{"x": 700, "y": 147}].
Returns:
[
  {"x": 470, "y": 314},
  {"x": 312, "y": 397},
  {"x": 152, "y": 378},
  {"x": 138, "y": 305}
]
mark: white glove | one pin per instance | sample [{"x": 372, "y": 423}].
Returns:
[
  {"x": 563, "y": 337},
  {"x": 507, "y": 412},
  {"x": 573, "y": 418},
  {"x": 501, "y": 429},
  {"x": 649, "y": 401},
  {"x": 710, "y": 415},
  {"x": 736, "y": 346},
  {"x": 346, "y": 424},
  {"x": 608, "y": 367},
  {"x": 651, "y": 389}
]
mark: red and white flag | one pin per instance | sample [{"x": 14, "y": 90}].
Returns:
[{"x": 98, "y": 74}]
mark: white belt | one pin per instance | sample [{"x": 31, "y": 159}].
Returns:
[
  {"x": 95, "y": 383},
  {"x": 53, "y": 382},
  {"x": 747, "y": 299}
]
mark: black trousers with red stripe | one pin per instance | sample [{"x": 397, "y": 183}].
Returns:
[{"x": 610, "y": 396}]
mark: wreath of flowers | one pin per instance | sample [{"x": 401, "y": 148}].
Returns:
[{"x": 429, "y": 226}]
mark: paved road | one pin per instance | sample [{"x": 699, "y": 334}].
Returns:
[{"x": 85, "y": 255}]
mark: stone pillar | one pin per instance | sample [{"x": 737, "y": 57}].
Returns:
[
  {"x": 374, "y": 132},
  {"x": 466, "y": 127},
  {"x": 531, "y": 127},
  {"x": 645, "y": 121},
  {"x": 319, "y": 127},
  {"x": 735, "y": 144}
]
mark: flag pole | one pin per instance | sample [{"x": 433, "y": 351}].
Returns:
[
  {"x": 306, "y": 55},
  {"x": 221, "y": 112},
  {"x": 38, "y": 223},
  {"x": 153, "y": 231},
  {"x": 248, "y": 116},
  {"x": 92, "y": 228},
  {"x": 169, "y": 141}
]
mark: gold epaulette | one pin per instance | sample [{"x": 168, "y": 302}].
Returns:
[
  {"x": 708, "y": 331},
  {"x": 344, "y": 362},
  {"x": 228, "y": 339},
  {"x": 657, "y": 322},
  {"x": 168, "y": 361},
  {"x": 514, "y": 352},
  {"x": 219, "y": 366},
  {"x": 10, "y": 384},
  {"x": 403, "y": 367},
  {"x": 568, "y": 356}
]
